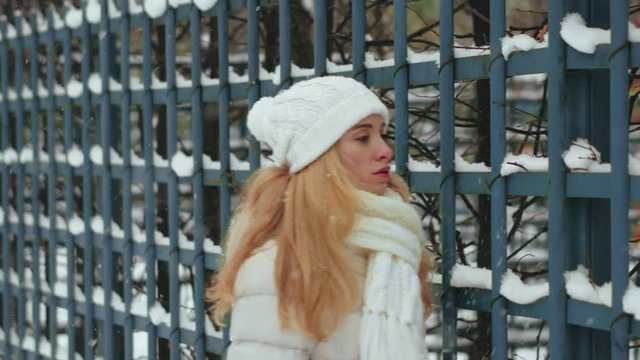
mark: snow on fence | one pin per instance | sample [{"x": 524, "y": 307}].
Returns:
[{"x": 83, "y": 259}]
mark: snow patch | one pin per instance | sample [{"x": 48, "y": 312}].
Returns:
[
  {"x": 11, "y": 31},
  {"x": 205, "y": 5},
  {"x": 518, "y": 292},
  {"x": 74, "y": 88},
  {"x": 75, "y": 157},
  {"x": 580, "y": 287},
  {"x": 467, "y": 276},
  {"x": 421, "y": 166},
  {"x": 523, "y": 163},
  {"x": 335, "y": 68},
  {"x": 521, "y": 42},
  {"x": 73, "y": 16},
  {"x": 139, "y": 272},
  {"x": 461, "y": 165},
  {"x": 93, "y": 11},
  {"x": 296, "y": 71},
  {"x": 175, "y": 3},
  {"x": 10, "y": 156},
  {"x": 423, "y": 56},
  {"x": 135, "y": 8},
  {"x": 578, "y": 35},
  {"x": 581, "y": 156},
  {"x": 211, "y": 247},
  {"x": 155, "y": 8},
  {"x": 182, "y": 164},
  {"x": 631, "y": 301},
  {"x": 76, "y": 225},
  {"x": 157, "y": 314},
  {"x": 370, "y": 61},
  {"x": 464, "y": 166}
]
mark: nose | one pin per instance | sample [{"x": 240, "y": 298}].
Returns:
[{"x": 383, "y": 150}]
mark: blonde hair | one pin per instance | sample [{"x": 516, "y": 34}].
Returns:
[{"x": 310, "y": 214}]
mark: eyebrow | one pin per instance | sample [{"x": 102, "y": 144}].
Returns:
[{"x": 362, "y": 126}]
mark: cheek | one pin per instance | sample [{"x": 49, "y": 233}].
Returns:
[
  {"x": 354, "y": 161},
  {"x": 358, "y": 167}
]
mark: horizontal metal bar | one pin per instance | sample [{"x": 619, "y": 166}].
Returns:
[
  {"x": 213, "y": 344},
  {"x": 212, "y": 177},
  {"x": 579, "y": 185},
  {"x": 471, "y": 68},
  {"x": 579, "y": 313},
  {"x": 135, "y": 21},
  {"x": 186, "y": 255}
]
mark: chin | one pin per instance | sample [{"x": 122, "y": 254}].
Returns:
[{"x": 379, "y": 190}]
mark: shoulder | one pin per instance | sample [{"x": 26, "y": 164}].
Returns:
[{"x": 256, "y": 275}]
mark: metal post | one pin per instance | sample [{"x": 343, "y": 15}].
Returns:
[
  {"x": 198, "y": 183},
  {"x": 558, "y": 236},
  {"x": 68, "y": 195},
  {"x": 320, "y": 36},
  {"x": 51, "y": 174},
  {"x": 174, "y": 260},
  {"x": 20, "y": 203},
  {"x": 619, "y": 98},
  {"x": 284, "y": 22},
  {"x": 87, "y": 190},
  {"x": 498, "y": 188},
  {"x": 254, "y": 73},
  {"x": 107, "y": 341},
  {"x": 149, "y": 181},
  {"x": 447, "y": 180},
  {"x": 125, "y": 105}
]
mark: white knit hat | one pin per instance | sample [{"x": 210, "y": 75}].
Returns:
[{"x": 304, "y": 121}]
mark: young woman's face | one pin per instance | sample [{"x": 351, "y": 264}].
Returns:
[{"x": 365, "y": 153}]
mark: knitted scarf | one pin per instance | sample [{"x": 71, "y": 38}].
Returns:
[{"x": 392, "y": 322}]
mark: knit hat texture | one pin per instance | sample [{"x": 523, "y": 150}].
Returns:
[{"x": 303, "y": 122}]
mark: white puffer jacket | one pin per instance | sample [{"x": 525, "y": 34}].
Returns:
[{"x": 255, "y": 325}]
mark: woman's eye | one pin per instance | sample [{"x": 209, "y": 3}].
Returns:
[{"x": 363, "y": 139}]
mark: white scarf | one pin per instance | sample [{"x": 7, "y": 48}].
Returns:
[{"x": 392, "y": 321}]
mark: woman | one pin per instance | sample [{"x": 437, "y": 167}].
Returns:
[{"x": 324, "y": 256}]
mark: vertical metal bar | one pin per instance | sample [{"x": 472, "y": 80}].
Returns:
[
  {"x": 125, "y": 123},
  {"x": 320, "y": 36},
  {"x": 588, "y": 103},
  {"x": 107, "y": 341},
  {"x": 198, "y": 190},
  {"x": 174, "y": 255},
  {"x": 358, "y": 26},
  {"x": 149, "y": 194},
  {"x": 619, "y": 81},
  {"x": 447, "y": 188},
  {"x": 51, "y": 175},
  {"x": 223, "y": 114},
  {"x": 223, "y": 120},
  {"x": 284, "y": 26},
  {"x": 87, "y": 190},
  {"x": 20, "y": 199},
  {"x": 254, "y": 73},
  {"x": 557, "y": 236},
  {"x": 400, "y": 84},
  {"x": 6, "y": 240},
  {"x": 68, "y": 196},
  {"x": 35, "y": 144},
  {"x": 498, "y": 187}
]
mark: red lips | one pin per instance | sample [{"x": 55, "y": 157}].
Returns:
[{"x": 383, "y": 171}]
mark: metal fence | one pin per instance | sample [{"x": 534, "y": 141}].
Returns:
[{"x": 99, "y": 290}]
